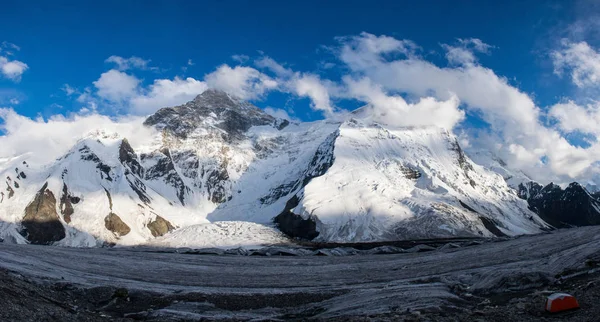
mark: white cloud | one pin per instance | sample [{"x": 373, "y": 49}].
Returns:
[
  {"x": 68, "y": 89},
  {"x": 280, "y": 113},
  {"x": 575, "y": 118},
  {"x": 399, "y": 88},
  {"x": 459, "y": 55},
  {"x": 14, "y": 101},
  {"x": 190, "y": 62},
  {"x": 241, "y": 81},
  {"x": 511, "y": 113},
  {"x": 128, "y": 63},
  {"x": 301, "y": 84},
  {"x": 463, "y": 53},
  {"x": 476, "y": 44},
  {"x": 241, "y": 59},
  {"x": 116, "y": 86},
  {"x": 395, "y": 111},
  {"x": 51, "y": 138},
  {"x": 10, "y": 46},
  {"x": 581, "y": 60},
  {"x": 312, "y": 86},
  {"x": 12, "y": 69},
  {"x": 166, "y": 92},
  {"x": 270, "y": 64}
]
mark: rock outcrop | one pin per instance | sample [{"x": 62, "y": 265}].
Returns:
[
  {"x": 160, "y": 226},
  {"x": 41, "y": 224}
]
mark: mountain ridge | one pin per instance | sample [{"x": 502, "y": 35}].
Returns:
[{"x": 220, "y": 159}]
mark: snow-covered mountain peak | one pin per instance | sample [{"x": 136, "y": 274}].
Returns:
[
  {"x": 212, "y": 110},
  {"x": 218, "y": 158}
]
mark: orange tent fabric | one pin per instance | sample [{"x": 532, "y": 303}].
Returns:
[{"x": 559, "y": 302}]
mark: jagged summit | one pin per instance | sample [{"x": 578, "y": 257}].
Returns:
[
  {"x": 217, "y": 98},
  {"x": 212, "y": 109}
]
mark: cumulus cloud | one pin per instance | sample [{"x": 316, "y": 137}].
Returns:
[
  {"x": 312, "y": 86},
  {"x": 166, "y": 92},
  {"x": 395, "y": 111},
  {"x": 12, "y": 69},
  {"x": 116, "y": 86},
  {"x": 128, "y": 63},
  {"x": 580, "y": 60},
  {"x": 52, "y": 138},
  {"x": 572, "y": 117},
  {"x": 241, "y": 81}
]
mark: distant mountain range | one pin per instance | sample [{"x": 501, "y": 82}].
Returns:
[{"x": 222, "y": 172}]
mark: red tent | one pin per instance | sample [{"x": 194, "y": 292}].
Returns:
[{"x": 559, "y": 302}]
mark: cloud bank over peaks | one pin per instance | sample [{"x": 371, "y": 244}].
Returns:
[
  {"x": 397, "y": 86},
  {"x": 52, "y": 138}
]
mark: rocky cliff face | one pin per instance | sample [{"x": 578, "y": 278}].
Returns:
[
  {"x": 573, "y": 206},
  {"x": 220, "y": 159},
  {"x": 41, "y": 224}
]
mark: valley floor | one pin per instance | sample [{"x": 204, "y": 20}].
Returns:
[{"x": 495, "y": 281}]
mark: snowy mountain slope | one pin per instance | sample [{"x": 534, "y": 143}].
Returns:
[
  {"x": 219, "y": 159},
  {"x": 489, "y": 160},
  {"x": 408, "y": 183}
]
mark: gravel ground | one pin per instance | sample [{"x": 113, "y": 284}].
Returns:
[{"x": 495, "y": 281}]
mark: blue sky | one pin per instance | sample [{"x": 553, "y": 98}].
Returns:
[
  {"x": 67, "y": 42},
  {"x": 311, "y": 59}
]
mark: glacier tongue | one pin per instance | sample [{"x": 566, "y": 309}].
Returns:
[{"x": 218, "y": 159}]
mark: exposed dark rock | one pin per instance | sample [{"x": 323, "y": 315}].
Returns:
[
  {"x": 165, "y": 169},
  {"x": 294, "y": 225},
  {"x": 105, "y": 169},
  {"x": 128, "y": 158},
  {"x": 489, "y": 224},
  {"x": 88, "y": 155},
  {"x": 160, "y": 226},
  {"x": 235, "y": 115},
  {"x": 139, "y": 188},
  {"x": 41, "y": 224},
  {"x": 215, "y": 185},
  {"x": 410, "y": 173},
  {"x": 110, "y": 204},
  {"x": 66, "y": 207},
  {"x": 20, "y": 174},
  {"x": 114, "y": 223},
  {"x": 283, "y": 125},
  {"x": 10, "y": 191},
  {"x": 573, "y": 206},
  {"x": 462, "y": 161}
]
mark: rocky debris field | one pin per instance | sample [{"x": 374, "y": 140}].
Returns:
[{"x": 506, "y": 280}]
